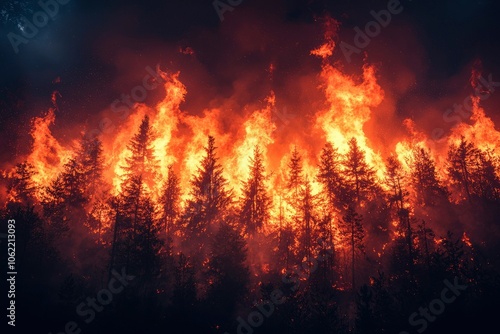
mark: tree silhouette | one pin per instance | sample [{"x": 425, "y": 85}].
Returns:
[
  {"x": 142, "y": 160},
  {"x": 396, "y": 180},
  {"x": 462, "y": 167},
  {"x": 429, "y": 189},
  {"x": 290, "y": 214},
  {"x": 147, "y": 226},
  {"x": 353, "y": 234},
  {"x": 148, "y": 247},
  {"x": 255, "y": 203},
  {"x": 170, "y": 201},
  {"x": 425, "y": 237},
  {"x": 91, "y": 161},
  {"x": 20, "y": 187},
  {"x": 128, "y": 216},
  {"x": 451, "y": 253},
  {"x": 295, "y": 178},
  {"x": 334, "y": 193},
  {"x": 55, "y": 209},
  {"x": 307, "y": 218},
  {"x": 487, "y": 184},
  {"x": 208, "y": 203},
  {"x": 359, "y": 177},
  {"x": 228, "y": 273},
  {"x": 136, "y": 243},
  {"x": 330, "y": 176}
]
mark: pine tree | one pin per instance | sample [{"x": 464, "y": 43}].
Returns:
[
  {"x": 330, "y": 176},
  {"x": 359, "y": 177},
  {"x": 326, "y": 251},
  {"x": 334, "y": 192},
  {"x": 209, "y": 200},
  {"x": 286, "y": 242},
  {"x": 228, "y": 274},
  {"x": 425, "y": 237},
  {"x": 307, "y": 218},
  {"x": 142, "y": 160},
  {"x": 55, "y": 209},
  {"x": 487, "y": 180},
  {"x": 425, "y": 181},
  {"x": 461, "y": 166},
  {"x": 451, "y": 254},
  {"x": 20, "y": 187},
  {"x": 292, "y": 193},
  {"x": 139, "y": 166},
  {"x": 65, "y": 203},
  {"x": 137, "y": 244},
  {"x": 170, "y": 201},
  {"x": 255, "y": 203},
  {"x": 73, "y": 180},
  {"x": 285, "y": 236},
  {"x": 353, "y": 234},
  {"x": 91, "y": 161},
  {"x": 67, "y": 197},
  {"x": 147, "y": 246},
  {"x": 295, "y": 179},
  {"x": 98, "y": 220},
  {"x": 396, "y": 180},
  {"x": 135, "y": 230},
  {"x": 127, "y": 213},
  {"x": 64, "y": 197}
]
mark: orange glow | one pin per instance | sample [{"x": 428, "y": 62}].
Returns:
[
  {"x": 48, "y": 155},
  {"x": 466, "y": 240},
  {"x": 350, "y": 102},
  {"x": 481, "y": 131},
  {"x": 179, "y": 138}
]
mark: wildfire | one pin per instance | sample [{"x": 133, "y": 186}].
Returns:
[
  {"x": 350, "y": 105},
  {"x": 47, "y": 155},
  {"x": 179, "y": 138},
  {"x": 252, "y": 169},
  {"x": 466, "y": 240},
  {"x": 481, "y": 131},
  {"x": 257, "y": 131}
]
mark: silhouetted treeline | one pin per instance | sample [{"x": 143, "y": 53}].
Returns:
[{"x": 358, "y": 256}]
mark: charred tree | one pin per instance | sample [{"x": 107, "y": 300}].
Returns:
[
  {"x": 353, "y": 234},
  {"x": 396, "y": 180},
  {"x": 359, "y": 176},
  {"x": 255, "y": 203},
  {"x": 207, "y": 205}
]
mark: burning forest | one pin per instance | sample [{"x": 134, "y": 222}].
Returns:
[{"x": 331, "y": 196}]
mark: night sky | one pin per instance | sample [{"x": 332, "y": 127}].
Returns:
[{"x": 93, "y": 51}]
